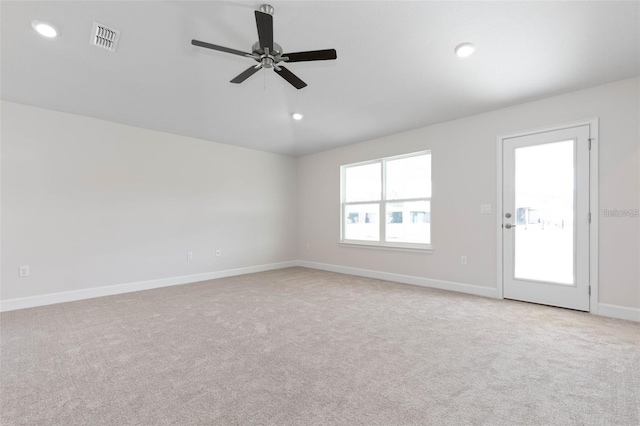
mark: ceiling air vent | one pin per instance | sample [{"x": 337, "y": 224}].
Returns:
[{"x": 105, "y": 37}]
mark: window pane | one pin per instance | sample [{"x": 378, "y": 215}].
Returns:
[
  {"x": 363, "y": 183},
  {"x": 409, "y": 177},
  {"x": 361, "y": 222},
  {"x": 408, "y": 222}
]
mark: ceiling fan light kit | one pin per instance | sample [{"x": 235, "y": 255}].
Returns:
[{"x": 269, "y": 54}]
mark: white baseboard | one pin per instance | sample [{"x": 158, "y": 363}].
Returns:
[
  {"x": 612, "y": 311},
  {"x": 405, "y": 279},
  {"x": 603, "y": 309},
  {"x": 89, "y": 293},
  {"x": 619, "y": 312}
]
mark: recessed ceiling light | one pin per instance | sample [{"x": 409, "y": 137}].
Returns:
[
  {"x": 465, "y": 49},
  {"x": 297, "y": 116},
  {"x": 46, "y": 30}
]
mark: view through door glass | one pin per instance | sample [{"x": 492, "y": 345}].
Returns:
[{"x": 544, "y": 213}]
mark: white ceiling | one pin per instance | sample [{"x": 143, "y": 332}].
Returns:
[{"x": 395, "y": 69}]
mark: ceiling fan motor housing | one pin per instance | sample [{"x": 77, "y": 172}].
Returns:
[
  {"x": 268, "y": 60},
  {"x": 277, "y": 49}
]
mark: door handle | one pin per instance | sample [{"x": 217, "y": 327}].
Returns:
[{"x": 509, "y": 226}]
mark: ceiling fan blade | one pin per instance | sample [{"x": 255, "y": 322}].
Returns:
[
  {"x": 313, "y": 55},
  {"x": 246, "y": 74},
  {"x": 290, "y": 77},
  {"x": 264, "y": 22},
  {"x": 220, "y": 48}
]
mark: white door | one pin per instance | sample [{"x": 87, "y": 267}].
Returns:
[{"x": 545, "y": 218}]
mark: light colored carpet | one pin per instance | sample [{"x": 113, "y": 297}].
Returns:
[{"x": 303, "y": 347}]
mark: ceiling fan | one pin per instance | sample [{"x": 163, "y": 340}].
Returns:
[{"x": 269, "y": 54}]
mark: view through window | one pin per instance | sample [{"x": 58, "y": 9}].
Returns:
[{"x": 387, "y": 202}]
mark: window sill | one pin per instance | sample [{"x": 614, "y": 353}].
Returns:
[{"x": 386, "y": 247}]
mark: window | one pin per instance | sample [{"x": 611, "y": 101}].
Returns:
[{"x": 387, "y": 202}]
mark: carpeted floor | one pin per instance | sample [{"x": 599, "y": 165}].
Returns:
[{"x": 305, "y": 347}]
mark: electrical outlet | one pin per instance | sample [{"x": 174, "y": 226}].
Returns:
[
  {"x": 463, "y": 260},
  {"x": 23, "y": 271},
  {"x": 218, "y": 252},
  {"x": 190, "y": 255}
]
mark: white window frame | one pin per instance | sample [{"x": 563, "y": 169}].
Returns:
[{"x": 381, "y": 207}]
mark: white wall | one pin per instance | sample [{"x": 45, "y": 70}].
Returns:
[
  {"x": 88, "y": 203},
  {"x": 464, "y": 176}
]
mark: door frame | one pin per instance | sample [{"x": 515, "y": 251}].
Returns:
[{"x": 593, "y": 202}]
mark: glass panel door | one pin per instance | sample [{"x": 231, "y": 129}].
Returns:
[{"x": 545, "y": 217}]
